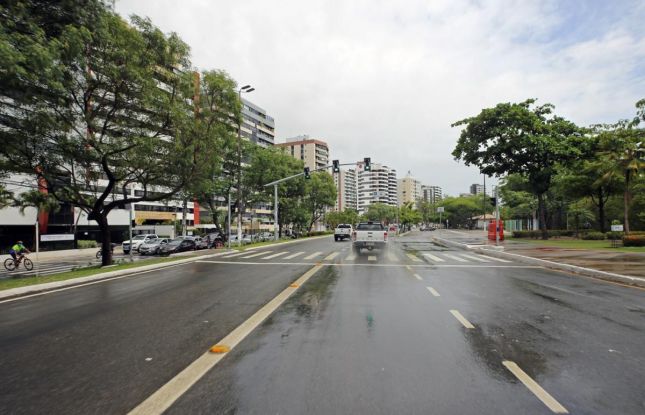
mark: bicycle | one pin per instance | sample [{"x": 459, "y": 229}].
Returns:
[
  {"x": 10, "y": 264},
  {"x": 99, "y": 254}
]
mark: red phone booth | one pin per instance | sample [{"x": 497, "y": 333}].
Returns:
[{"x": 491, "y": 230}]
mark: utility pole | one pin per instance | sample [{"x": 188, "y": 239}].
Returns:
[{"x": 497, "y": 228}]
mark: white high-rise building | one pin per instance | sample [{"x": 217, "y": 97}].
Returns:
[
  {"x": 376, "y": 186},
  {"x": 432, "y": 194},
  {"x": 409, "y": 190},
  {"x": 345, "y": 182}
]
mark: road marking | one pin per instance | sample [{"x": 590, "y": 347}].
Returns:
[
  {"x": 455, "y": 257},
  {"x": 354, "y": 264},
  {"x": 235, "y": 254},
  {"x": 409, "y": 268},
  {"x": 434, "y": 258},
  {"x": 165, "y": 396},
  {"x": 413, "y": 257},
  {"x": 392, "y": 257},
  {"x": 275, "y": 255},
  {"x": 294, "y": 255},
  {"x": 433, "y": 291},
  {"x": 351, "y": 257},
  {"x": 417, "y": 276},
  {"x": 462, "y": 319},
  {"x": 536, "y": 389},
  {"x": 476, "y": 258},
  {"x": 314, "y": 255},
  {"x": 497, "y": 259},
  {"x": 256, "y": 254},
  {"x": 371, "y": 258},
  {"x": 331, "y": 256}
]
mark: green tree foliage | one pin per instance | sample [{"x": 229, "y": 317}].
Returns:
[
  {"x": 105, "y": 108},
  {"x": 460, "y": 210},
  {"x": 320, "y": 194},
  {"x": 380, "y": 212},
  {"x": 519, "y": 138},
  {"x": 333, "y": 219},
  {"x": 408, "y": 216}
]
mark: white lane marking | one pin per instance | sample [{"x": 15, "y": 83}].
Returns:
[
  {"x": 314, "y": 255},
  {"x": 417, "y": 276},
  {"x": 462, "y": 319},
  {"x": 455, "y": 257},
  {"x": 413, "y": 257},
  {"x": 165, "y": 396},
  {"x": 373, "y": 265},
  {"x": 331, "y": 256},
  {"x": 476, "y": 258},
  {"x": 496, "y": 259},
  {"x": 371, "y": 258},
  {"x": 409, "y": 268},
  {"x": 351, "y": 257},
  {"x": 433, "y": 291},
  {"x": 392, "y": 257},
  {"x": 235, "y": 254},
  {"x": 535, "y": 388},
  {"x": 256, "y": 254},
  {"x": 433, "y": 257},
  {"x": 292, "y": 256},
  {"x": 275, "y": 255}
]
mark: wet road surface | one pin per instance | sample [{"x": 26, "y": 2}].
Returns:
[{"x": 382, "y": 332}]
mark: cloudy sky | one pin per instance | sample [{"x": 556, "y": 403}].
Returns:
[{"x": 386, "y": 79}]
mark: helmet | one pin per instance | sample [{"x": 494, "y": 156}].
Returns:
[{"x": 20, "y": 242}]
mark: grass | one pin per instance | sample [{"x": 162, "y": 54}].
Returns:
[
  {"x": 266, "y": 243},
  {"x": 8, "y": 283},
  {"x": 578, "y": 244}
]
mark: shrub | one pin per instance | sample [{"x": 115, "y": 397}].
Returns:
[
  {"x": 615, "y": 236},
  {"x": 86, "y": 244},
  {"x": 634, "y": 240},
  {"x": 526, "y": 234},
  {"x": 593, "y": 236},
  {"x": 318, "y": 233}
]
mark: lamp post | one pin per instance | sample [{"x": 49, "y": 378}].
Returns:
[{"x": 244, "y": 89}]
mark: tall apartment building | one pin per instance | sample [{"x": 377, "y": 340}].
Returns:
[
  {"x": 376, "y": 186},
  {"x": 314, "y": 153},
  {"x": 476, "y": 189},
  {"x": 409, "y": 190},
  {"x": 432, "y": 194},
  {"x": 257, "y": 126},
  {"x": 345, "y": 182}
]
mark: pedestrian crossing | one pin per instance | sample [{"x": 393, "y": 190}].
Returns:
[{"x": 388, "y": 256}]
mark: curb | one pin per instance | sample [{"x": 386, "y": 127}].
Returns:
[{"x": 588, "y": 272}]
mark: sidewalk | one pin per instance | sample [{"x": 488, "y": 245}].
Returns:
[{"x": 624, "y": 263}]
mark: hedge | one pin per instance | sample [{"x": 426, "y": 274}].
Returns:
[
  {"x": 593, "y": 236},
  {"x": 86, "y": 244},
  {"x": 553, "y": 233},
  {"x": 634, "y": 240}
]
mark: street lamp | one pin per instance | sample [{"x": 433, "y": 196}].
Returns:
[{"x": 244, "y": 89}]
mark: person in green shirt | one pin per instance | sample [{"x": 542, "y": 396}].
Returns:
[{"x": 17, "y": 251}]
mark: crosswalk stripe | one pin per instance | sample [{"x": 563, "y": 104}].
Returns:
[
  {"x": 475, "y": 258},
  {"x": 257, "y": 254},
  {"x": 275, "y": 255},
  {"x": 235, "y": 254},
  {"x": 351, "y": 257},
  {"x": 314, "y": 255},
  {"x": 433, "y": 257},
  {"x": 413, "y": 257},
  {"x": 455, "y": 257},
  {"x": 371, "y": 258},
  {"x": 294, "y": 255},
  {"x": 331, "y": 256},
  {"x": 497, "y": 259}
]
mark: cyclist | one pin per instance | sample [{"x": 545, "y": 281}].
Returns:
[{"x": 17, "y": 251}]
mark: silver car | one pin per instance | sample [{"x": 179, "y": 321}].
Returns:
[{"x": 151, "y": 247}]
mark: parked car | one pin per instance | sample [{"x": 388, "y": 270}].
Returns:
[
  {"x": 246, "y": 239},
  {"x": 214, "y": 240},
  {"x": 179, "y": 244},
  {"x": 152, "y": 246},
  {"x": 136, "y": 242},
  {"x": 343, "y": 231},
  {"x": 200, "y": 243}
]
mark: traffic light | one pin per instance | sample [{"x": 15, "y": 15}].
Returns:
[
  {"x": 336, "y": 166},
  {"x": 368, "y": 164},
  {"x": 493, "y": 201},
  {"x": 307, "y": 175}
]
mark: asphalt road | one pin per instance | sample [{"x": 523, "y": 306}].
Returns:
[{"x": 384, "y": 332}]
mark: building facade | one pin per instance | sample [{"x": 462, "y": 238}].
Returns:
[
  {"x": 345, "y": 182},
  {"x": 476, "y": 189},
  {"x": 314, "y": 153},
  {"x": 378, "y": 185},
  {"x": 257, "y": 126},
  {"x": 432, "y": 194},
  {"x": 409, "y": 190}
]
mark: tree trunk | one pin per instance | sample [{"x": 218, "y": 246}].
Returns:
[
  {"x": 106, "y": 240},
  {"x": 601, "y": 210},
  {"x": 183, "y": 217},
  {"x": 626, "y": 201},
  {"x": 542, "y": 210}
]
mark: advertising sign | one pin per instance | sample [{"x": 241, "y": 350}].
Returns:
[{"x": 57, "y": 237}]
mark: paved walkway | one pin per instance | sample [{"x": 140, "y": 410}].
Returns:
[{"x": 625, "y": 263}]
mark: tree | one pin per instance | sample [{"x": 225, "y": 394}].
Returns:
[
  {"x": 350, "y": 216},
  {"x": 320, "y": 193},
  {"x": 106, "y": 112},
  {"x": 622, "y": 151},
  {"x": 408, "y": 216},
  {"x": 460, "y": 210},
  {"x": 380, "y": 212},
  {"x": 519, "y": 138}
]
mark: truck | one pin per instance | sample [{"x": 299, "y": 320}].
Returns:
[
  {"x": 369, "y": 235},
  {"x": 342, "y": 231}
]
